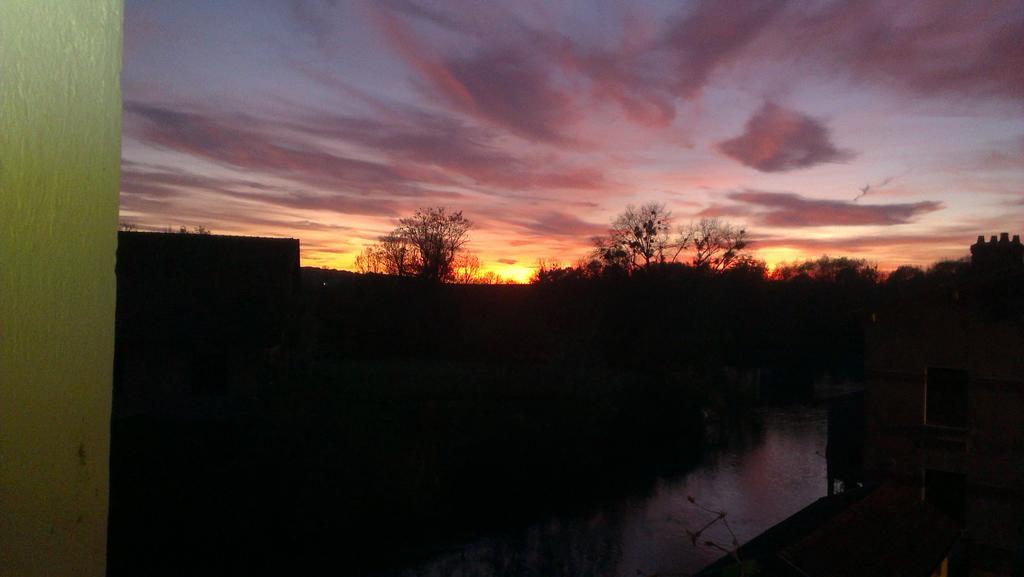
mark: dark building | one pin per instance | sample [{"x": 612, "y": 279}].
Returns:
[
  {"x": 205, "y": 323},
  {"x": 944, "y": 402},
  {"x": 998, "y": 254},
  {"x": 877, "y": 530},
  {"x": 930, "y": 458},
  {"x": 844, "y": 453}
]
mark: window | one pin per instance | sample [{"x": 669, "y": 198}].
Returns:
[
  {"x": 946, "y": 398},
  {"x": 947, "y": 491}
]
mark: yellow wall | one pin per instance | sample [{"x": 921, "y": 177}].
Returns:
[{"x": 60, "y": 131}]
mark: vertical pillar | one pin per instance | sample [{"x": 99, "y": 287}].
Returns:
[{"x": 60, "y": 132}]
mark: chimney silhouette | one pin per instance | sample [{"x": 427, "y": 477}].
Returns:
[{"x": 999, "y": 254}]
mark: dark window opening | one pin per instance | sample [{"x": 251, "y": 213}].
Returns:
[
  {"x": 947, "y": 492},
  {"x": 947, "y": 398}
]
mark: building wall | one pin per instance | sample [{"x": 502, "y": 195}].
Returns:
[
  {"x": 155, "y": 379},
  {"x": 205, "y": 323},
  {"x": 60, "y": 130},
  {"x": 989, "y": 452},
  {"x": 899, "y": 355}
]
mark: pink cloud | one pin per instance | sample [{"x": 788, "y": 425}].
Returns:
[
  {"x": 515, "y": 91},
  {"x": 419, "y": 55},
  {"x": 504, "y": 86},
  {"x": 777, "y": 139}
]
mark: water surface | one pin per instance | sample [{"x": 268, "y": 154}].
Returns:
[{"x": 758, "y": 477}]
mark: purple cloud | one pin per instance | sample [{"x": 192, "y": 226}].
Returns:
[
  {"x": 931, "y": 48},
  {"x": 155, "y": 182},
  {"x": 502, "y": 85},
  {"x": 513, "y": 90},
  {"x": 857, "y": 244},
  {"x": 792, "y": 210},
  {"x": 450, "y": 144},
  {"x": 712, "y": 34},
  {"x": 777, "y": 139},
  {"x": 643, "y": 76}
]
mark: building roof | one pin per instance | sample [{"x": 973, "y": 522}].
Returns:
[
  {"x": 877, "y": 530},
  {"x": 200, "y": 288},
  {"x": 891, "y": 531}
]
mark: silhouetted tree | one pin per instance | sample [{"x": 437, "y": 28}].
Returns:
[
  {"x": 437, "y": 237},
  {"x": 639, "y": 237},
  {"x": 948, "y": 272},
  {"x": 491, "y": 277},
  {"x": 467, "y": 269},
  {"x": 905, "y": 274},
  {"x": 396, "y": 255},
  {"x": 369, "y": 261},
  {"x": 714, "y": 244},
  {"x": 747, "y": 265},
  {"x": 430, "y": 244},
  {"x": 836, "y": 269}
]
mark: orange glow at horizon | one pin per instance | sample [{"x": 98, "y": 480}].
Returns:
[
  {"x": 773, "y": 257},
  {"x": 514, "y": 273},
  {"x": 777, "y": 256}
]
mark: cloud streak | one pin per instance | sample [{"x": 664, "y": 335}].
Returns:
[
  {"x": 458, "y": 148},
  {"x": 780, "y": 209},
  {"x": 236, "y": 142},
  {"x": 149, "y": 185},
  {"x": 502, "y": 85}
]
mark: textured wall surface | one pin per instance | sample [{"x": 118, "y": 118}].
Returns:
[{"x": 60, "y": 127}]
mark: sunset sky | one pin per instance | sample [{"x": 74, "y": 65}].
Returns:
[{"x": 329, "y": 120}]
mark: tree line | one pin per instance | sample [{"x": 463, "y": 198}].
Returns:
[{"x": 432, "y": 245}]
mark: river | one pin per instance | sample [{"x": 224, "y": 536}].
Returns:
[{"x": 758, "y": 478}]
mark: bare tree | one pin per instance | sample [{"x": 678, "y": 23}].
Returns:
[
  {"x": 396, "y": 254},
  {"x": 437, "y": 236},
  {"x": 611, "y": 254},
  {"x": 467, "y": 269},
  {"x": 490, "y": 277},
  {"x": 370, "y": 260},
  {"x": 639, "y": 237},
  {"x": 429, "y": 244},
  {"x": 715, "y": 245}
]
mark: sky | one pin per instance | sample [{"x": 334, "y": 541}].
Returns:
[{"x": 886, "y": 130}]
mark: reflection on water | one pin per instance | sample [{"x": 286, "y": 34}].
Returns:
[{"x": 758, "y": 479}]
